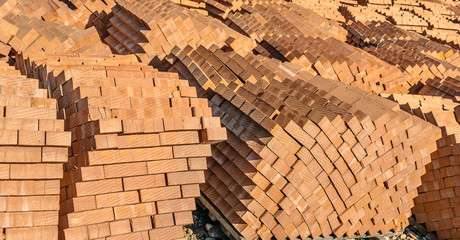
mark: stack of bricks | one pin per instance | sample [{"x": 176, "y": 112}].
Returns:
[
  {"x": 150, "y": 29},
  {"x": 33, "y": 35},
  {"x": 316, "y": 46},
  {"x": 438, "y": 202},
  {"x": 306, "y": 156},
  {"x": 327, "y": 57},
  {"x": 34, "y": 147},
  {"x": 437, "y": 20},
  {"x": 429, "y": 63},
  {"x": 140, "y": 139}
]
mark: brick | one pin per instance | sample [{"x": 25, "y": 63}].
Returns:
[
  {"x": 165, "y": 166},
  {"x": 162, "y": 193},
  {"x": 31, "y": 138},
  {"x": 182, "y": 137},
  {"x": 133, "y": 211},
  {"x": 98, "y": 187},
  {"x": 8, "y": 137},
  {"x": 179, "y": 178},
  {"x": 197, "y": 163},
  {"x": 24, "y": 188},
  {"x": 57, "y": 138},
  {"x": 190, "y": 190},
  {"x": 36, "y": 171},
  {"x": 90, "y": 217},
  {"x": 130, "y": 236},
  {"x": 41, "y": 233},
  {"x": 140, "y": 224},
  {"x": 125, "y": 170},
  {"x": 176, "y": 205},
  {"x": 54, "y": 154},
  {"x": 117, "y": 199},
  {"x": 163, "y": 220},
  {"x": 142, "y": 182},
  {"x": 20, "y": 154},
  {"x": 166, "y": 233},
  {"x": 183, "y": 218},
  {"x": 201, "y": 150},
  {"x": 119, "y": 227}
]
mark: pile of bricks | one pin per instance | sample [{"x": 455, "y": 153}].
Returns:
[
  {"x": 268, "y": 108},
  {"x": 55, "y": 10},
  {"x": 437, "y": 20},
  {"x": 438, "y": 202},
  {"x": 305, "y": 156},
  {"x": 273, "y": 26},
  {"x": 140, "y": 139},
  {"x": 34, "y": 147},
  {"x": 435, "y": 67},
  {"x": 150, "y": 29},
  {"x": 34, "y": 35},
  {"x": 327, "y": 57}
]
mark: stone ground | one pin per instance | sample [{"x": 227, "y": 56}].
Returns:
[{"x": 205, "y": 227}]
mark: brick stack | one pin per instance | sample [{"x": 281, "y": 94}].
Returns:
[
  {"x": 140, "y": 139},
  {"x": 438, "y": 20},
  {"x": 430, "y": 63},
  {"x": 325, "y": 56},
  {"x": 34, "y": 147},
  {"x": 273, "y": 25},
  {"x": 438, "y": 202},
  {"x": 150, "y": 29},
  {"x": 33, "y": 35},
  {"x": 305, "y": 156}
]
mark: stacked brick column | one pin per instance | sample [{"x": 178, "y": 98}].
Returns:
[{"x": 33, "y": 146}]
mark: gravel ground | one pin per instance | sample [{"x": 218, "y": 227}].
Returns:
[{"x": 205, "y": 227}]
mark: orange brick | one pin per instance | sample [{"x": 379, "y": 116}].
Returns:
[
  {"x": 98, "y": 187},
  {"x": 120, "y": 227},
  {"x": 133, "y": 211},
  {"x": 92, "y": 173},
  {"x": 58, "y": 138},
  {"x": 190, "y": 190},
  {"x": 117, "y": 199},
  {"x": 164, "y": 166},
  {"x": 54, "y": 154},
  {"x": 201, "y": 150},
  {"x": 31, "y": 138},
  {"x": 163, "y": 220},
  {"x": 142, "y": 223},
  {"x": 20, "y": 154},
  {"x": 178, "y": 178},
  {"x": 90, "y": 217},
  {"x": 36, "y": 171},
  {"x": 183, "y": 218},
  {"x": 182, "y": 137},
  {"x": 197, "y": 163},
  {"x": 142, "y": 182},
  {"x": 176, "y": 205},
  {"x": 8, "y": 137},
  {"x": 166, "y": 233},
  {"x": 125, "y": 170},
  {"x": 162, "y": 193}
]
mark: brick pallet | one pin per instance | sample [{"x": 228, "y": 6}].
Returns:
[
  {"x": 34, "y": 147},
  {"x": 140, "y": 139},
  {"x": 305, "y": 156}
]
